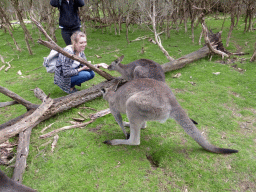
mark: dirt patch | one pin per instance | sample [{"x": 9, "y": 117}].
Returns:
[
  {"x": 154, "y": 163},
  {"x": 247, "y": 186},
  {"x": 96, "y": 129}
]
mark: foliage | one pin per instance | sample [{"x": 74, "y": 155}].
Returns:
[{"x": 167, "y": 159}]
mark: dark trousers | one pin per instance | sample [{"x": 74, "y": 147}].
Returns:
[{"x": 67, "y": 33}]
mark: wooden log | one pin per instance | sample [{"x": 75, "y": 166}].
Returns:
[
  {"x": 26, "y": 122},
  {"x": 22, "y": 154}
]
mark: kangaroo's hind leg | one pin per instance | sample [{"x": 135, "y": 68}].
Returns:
[
  {"x": 119, "y": 120},
  {"x": 134, "y": 136}
]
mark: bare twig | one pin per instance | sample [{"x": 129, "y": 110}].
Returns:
[
  {"x": 47, "y": 127},
  {"x": 54, "y": 143},
  {"x": 1, "y": 68},
  {"x": 8, "y": 103},
  {"x": 64, "y": 128},
  {"x": 9, "y": 65},
  {"x": 83, "y": 116},
  {"x": 93, "y": 117}
]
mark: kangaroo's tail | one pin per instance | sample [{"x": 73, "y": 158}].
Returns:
[{"x": 181, "y": 117}]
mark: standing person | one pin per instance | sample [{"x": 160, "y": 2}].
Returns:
[
  {"x": 68, "y": 72},
  {"x": 69, "y": 20}
]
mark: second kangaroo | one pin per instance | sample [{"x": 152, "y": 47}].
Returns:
[
  {"x": 142, "y": 68},
  {"x": 145, "y": 99}
]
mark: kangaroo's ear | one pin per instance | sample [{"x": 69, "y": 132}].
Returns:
[
  {"x": 103, "y": 90},
  {"x": 121, "y": 58}
]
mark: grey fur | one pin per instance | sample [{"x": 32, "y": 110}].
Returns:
[
  {"x": 142, "y": 68},
  {"x": 144, "y": 100},
  {"x": 9, "y": 185}
]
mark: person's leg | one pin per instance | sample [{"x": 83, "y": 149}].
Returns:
[
  {"x": 81, "y": 77},
  {"x": 66, "y": 34}
]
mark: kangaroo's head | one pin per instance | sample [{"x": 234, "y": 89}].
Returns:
[
  {"x": 115, "y": 64},
  {"x": 108, "y": 92}
]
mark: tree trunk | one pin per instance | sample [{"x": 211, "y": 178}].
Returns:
[
  {"x": 15, "y": 4},
  {"x": 6, "y": 22}
]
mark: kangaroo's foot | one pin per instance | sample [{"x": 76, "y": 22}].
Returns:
[
  {"x": 121, "y": 142},
  {"x": 134, "y": 138}
]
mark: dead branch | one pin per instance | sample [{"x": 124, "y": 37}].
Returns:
[
  {"x": 47, "y": 127},
  {"x": 157, "y": 35},
  {"x": 9, "y": 65},
  {"x": 209, "y": 44},
  {"x": 22, "y": 154},
  {"x": 8, "y": 103},
  {"x": 77, "y": 125},
  {"x": 52, "y": 45},
  {"x": 83, "y": 116},
  {"x": 54, "y": 143},
  {"x": 100, "y": 114},
  {"x": 1, "y": 68},
  {"x": 17, "y": 98},
  {"x": 2, "y": 59},
  {"x": 26, "y": 122},
  {"x": 65, "y": 128},
  {"x": 39, "y": 94}
]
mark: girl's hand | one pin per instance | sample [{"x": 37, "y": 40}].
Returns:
[
  {"x": 104, "y": 65},
  {"x": 83, "y": 68}
]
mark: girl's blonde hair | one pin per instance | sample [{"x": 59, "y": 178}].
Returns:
[{"x": 76, "y": 36}]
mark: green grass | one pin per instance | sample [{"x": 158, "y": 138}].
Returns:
[{"x": 223, "y": 105}]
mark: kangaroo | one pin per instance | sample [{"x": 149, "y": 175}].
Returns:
[
  {"x": 144, "y": 100},
  {"x": 142, "y": 68},
  {"x": 9, "y": 185}
]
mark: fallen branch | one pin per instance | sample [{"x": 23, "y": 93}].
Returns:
[
  {"x": 9, "y": 65},
  {"x": 100, "y": 114},
  {"x": 54, "y": 143},
  {"x": 17, "y": 98},
  {"x": 26, "y": 122},
  {"x": 209, "y": 44},
  {"x": 93, "y": 117},
  {"x": 22, "y": 154},
  {"x": 47, "y": 127},
  {"x": 64, "y": 128},
  {"x": 8, "y": 103},
  {"x": 1, "y": 68}
]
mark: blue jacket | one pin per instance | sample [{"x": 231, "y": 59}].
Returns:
[{"x": 69, "y": 18}]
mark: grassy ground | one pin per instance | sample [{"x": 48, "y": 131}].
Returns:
[{"x": 167, "y": 159}]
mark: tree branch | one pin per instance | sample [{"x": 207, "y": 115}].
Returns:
[
  {"x": 209, "y": 45},
  {"x": 26, "y": 122},
  {"x": 17, "y": 98}
]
